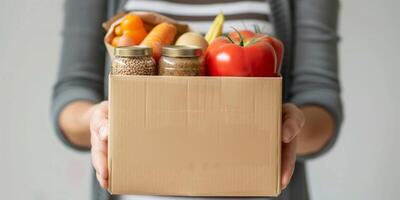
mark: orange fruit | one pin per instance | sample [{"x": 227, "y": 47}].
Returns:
[
  {"x": 131, "y": 22},
  {"x": 126, "y": 40},
  {"x": 118, "y": 30},
  {"x": 115, "y": 41},
  {"x": 136, "y": 35}
]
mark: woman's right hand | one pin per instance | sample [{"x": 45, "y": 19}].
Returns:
[{"x": 99, "y": 129}]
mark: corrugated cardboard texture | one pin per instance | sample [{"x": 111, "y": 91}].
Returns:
[{"x": 195, "y": 136}]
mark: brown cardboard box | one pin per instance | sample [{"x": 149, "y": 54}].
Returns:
[{"x": 195, "y": 136}]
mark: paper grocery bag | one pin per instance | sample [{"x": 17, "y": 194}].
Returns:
[{"x": 150, "y": 19}]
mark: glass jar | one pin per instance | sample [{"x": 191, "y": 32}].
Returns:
[
  {"x": 181, "y": 61},
  {"x": 133, "y": 60}
]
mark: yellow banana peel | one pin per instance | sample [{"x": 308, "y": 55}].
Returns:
[{"x": 216, "y": 28}]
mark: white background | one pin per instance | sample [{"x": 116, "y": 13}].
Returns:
[{"x": 363, "y": 165}]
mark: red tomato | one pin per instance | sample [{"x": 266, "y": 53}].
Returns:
[
  {"x": 248, "y": 35},
  {"x": 256, "y": 57}
]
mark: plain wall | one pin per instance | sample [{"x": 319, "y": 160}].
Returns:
[
  {"x": 34, "y": 163},
  {"x": 363, "y": 165}
]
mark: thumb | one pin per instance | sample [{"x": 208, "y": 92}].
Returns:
[{"x": 99, "y": 121}]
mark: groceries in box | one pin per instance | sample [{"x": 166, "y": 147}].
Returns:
[{"x": 192, "y": 115}]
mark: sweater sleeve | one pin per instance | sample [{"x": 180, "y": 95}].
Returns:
[
  {"x": 315, "y": 73},
  {"x": 81, "y": 68}
]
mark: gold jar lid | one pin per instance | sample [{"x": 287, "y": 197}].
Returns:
[
  {"x": 181, "y": 51},
  {"x": 132, "y": 51}
]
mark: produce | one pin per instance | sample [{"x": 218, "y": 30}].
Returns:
[
  {"x": 131, "y": 22},
  {"x": 248, "y": 35},
  {"x": 118, "y": 30},
  {"x": 161, "y": 35},
  {"x": 115, "y": 41},
  {"x": 129, "y": 32},
  {"x": 124, "y": 41},
  {"x": 216, "y": 28},
  {"x": 250, "y": 55},
  {"x": 132, "y": 37},
  {"x": 192, "y": 39}
]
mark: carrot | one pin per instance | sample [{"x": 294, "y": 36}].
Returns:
[{"x": 161, "y": 35}]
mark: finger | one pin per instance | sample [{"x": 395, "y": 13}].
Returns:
[
  {"x": 99, "y": 153},
  {"x": 290, "y": 110},
  {"x": 99, "y": 121},
  {"x": 99, "y": 132},
  {"x": 293, "y": 122},
  {"x": 99, "y": 162},
  {"x": 103, "y": 182},
  {"x": 99, "y": 127},
  {"x": 290, "y": 130},
  {"x": 288, "y": 162},
  {"x": 103, "y": 131}
]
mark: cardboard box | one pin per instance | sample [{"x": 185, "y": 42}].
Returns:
[{"x": 195, "y": 136}]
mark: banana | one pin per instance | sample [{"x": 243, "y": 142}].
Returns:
[{"x": 216, "y": 28}]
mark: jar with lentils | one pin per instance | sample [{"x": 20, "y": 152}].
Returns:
[
  {"x": 133, "y": 60},
  {"x": 181, "y": 61}
]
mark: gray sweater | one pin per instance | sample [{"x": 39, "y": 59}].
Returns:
[{"x": 308, "y": 29}]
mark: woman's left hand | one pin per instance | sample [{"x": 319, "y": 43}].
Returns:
[{"x": 293, "y": 121}]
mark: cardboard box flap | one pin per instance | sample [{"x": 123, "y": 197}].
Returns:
[{"x": 195, "y": 136}]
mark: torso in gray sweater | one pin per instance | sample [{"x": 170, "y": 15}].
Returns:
[{"x": 308, "y": 29}]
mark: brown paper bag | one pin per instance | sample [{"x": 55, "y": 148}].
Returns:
[{"x": 150, "y": 19}]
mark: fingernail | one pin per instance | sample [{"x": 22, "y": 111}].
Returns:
[
  {"x": 298, "y": 128},
  {"x": 287, "y": 134},
  {"x": 290, "y": 132},
  {"x": 103, "y": 132},
  {"x": 284, "y": 183}
]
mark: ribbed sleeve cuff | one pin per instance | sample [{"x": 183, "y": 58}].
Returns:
[
  {"x": 331, "y": 102},
  {"x": 62, "y": 99}
]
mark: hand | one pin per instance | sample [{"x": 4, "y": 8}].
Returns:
[
  {"x": 293, "y": 121},
  {"x": 99, "y": 129}
]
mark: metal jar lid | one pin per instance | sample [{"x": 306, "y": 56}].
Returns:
[
  {"x": 181, "y": 51},
  {"x": 132, "y": 51}
]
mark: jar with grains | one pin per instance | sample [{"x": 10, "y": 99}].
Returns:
[
  {"x": 133, "y": 60},
  {"x": 181, "y": 61}
]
